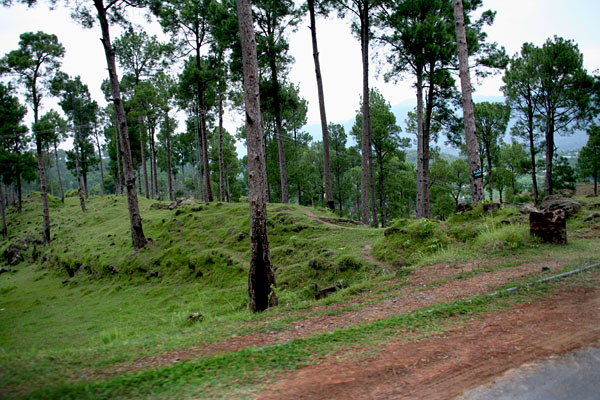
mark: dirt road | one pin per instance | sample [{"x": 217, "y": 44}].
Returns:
[{"x": 445, "y": 366}]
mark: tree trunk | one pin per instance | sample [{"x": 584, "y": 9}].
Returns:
[
  {"x": 421, "y": 183},
  {"x": 261, "y": 278},
  {"x": 49, "y": 164},
  {"x": 19, "y": 194},
  {"x": 469, "y": 115},
  {"x": 101, "y": 167},
  {"x": 425, "y": 199},
  {"x": 2, "y": 207},
  {"x": 324, "y": 129},
  {"x": 221, "y": 163},
  {"x": 549, "y": 154},
  {"x": 366, "y": 181},
  {"x": 488, "y": 156},
  {"x": 143, "y": 153},
  {"x": 169, "y": 167},
  {"x": 119, "y": 187},
  {"x": 78, "y": 172},
  {"x": 45, "y": 209},
  {"x": 62, "y": 191},
  {"x": 137, "y": 232},
  {"x": 139, "y": 180},
  {"x": 153, "y": 166},
  {"x": 382, "y": 194},
  {"x": 279, "y": 131}
]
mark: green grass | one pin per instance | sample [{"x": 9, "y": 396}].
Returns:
[{"x": 120, "y": 306}]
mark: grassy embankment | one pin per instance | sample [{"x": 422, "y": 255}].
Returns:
[{"x": 64, "y": 339}]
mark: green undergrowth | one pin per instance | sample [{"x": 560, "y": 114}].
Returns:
[
  {"x": 410, "y": 242},
  {"x": 234, "y": 374}
]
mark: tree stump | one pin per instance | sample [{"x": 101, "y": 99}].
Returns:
[{"x": 549, "y": 225}]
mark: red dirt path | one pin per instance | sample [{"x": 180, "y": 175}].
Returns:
[{"x": 445, "y": 366}]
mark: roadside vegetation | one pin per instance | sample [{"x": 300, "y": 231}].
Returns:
[{"x": 78, "y": 316}]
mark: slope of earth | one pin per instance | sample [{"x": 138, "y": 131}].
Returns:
[{"x": 86, "y": 317}]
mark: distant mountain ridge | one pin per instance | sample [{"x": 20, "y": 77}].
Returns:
[{"x": 564, "y": 143}]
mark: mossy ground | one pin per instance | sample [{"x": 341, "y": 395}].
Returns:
[{"x": 87, "y": 302}]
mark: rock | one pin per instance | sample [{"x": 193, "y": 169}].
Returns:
[
  {"x": 186, "y": 202},
  {"x": 331, "y": 289},
  {"x": 3, "y": 270},
  {"x": 592, "y": 216},
  {"x": 159, "y": 206},
  {"x": 567, "y": 192},
  {"x": 195, "y": 317},
  {"x": 463, "y": 207},
  {"x": 172, "y": 206},
  {"x": 592, "y": 206},
  {"x": 558, "y": 202},
  {"x": 242, "y": 236},
  {"x": 527, "y": 208},
  {"x": 490, "y": 207},
  {"x": 549, "y": 225},
  {"x": 390, "y": 231},
  {"x": 12, "y": 255}
]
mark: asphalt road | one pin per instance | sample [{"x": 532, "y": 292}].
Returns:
[{"x": 574, "y": 376}]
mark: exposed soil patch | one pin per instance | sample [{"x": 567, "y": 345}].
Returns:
[
  {"x": 412, "y": 296},
  {"x": 443, "y": 367}
]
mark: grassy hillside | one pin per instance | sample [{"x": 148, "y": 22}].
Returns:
[{"x": 87, "y": 315}]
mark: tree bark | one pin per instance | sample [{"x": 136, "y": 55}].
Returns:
[
  {"x": 324, "y": 128},
  {"x": 549, "y": 154},
  {"x": 153, "y": 166},
  {"x": 279, "y": 131},
  {"x": 2, "y": 207},
  {"x": 78, "y": 172},
  {"x": 100, "y": 163},
  {"x": 143, "y": 153},
  {"x": 221, "y": 163},
  {"x": 469, "y": 115},
  {"x": 62, "y": 191},
  {"x": 488, "y": 157},
  {"x": 118, "y": 187},
  {"x": 137, "y": 233},
  {"x": 169, "y": 166},
  {"x": 421, "y": 183},
  {"x": 367, "y": 184},
  {"x": 261, "y": 278}
]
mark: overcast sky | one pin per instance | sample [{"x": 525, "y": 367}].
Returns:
[{"x": 517, "y": 21}]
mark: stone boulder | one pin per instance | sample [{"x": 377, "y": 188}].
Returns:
[
  {"x": 558, "y": 202},
  {"x": 527, "y": 208},
  {"x": 549, "y": 225},
  {"x": 490, "y": 207},
  {"x": 463, "y": 207},
  {"x": 12, "y": 255}
]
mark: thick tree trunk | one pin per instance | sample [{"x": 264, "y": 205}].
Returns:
[
  {"x": 425, "y": 198},
  {"x": 139, "y": 179},
  {"x": 62, "y": 191},
  {"x": 206, "y": 166},
  {"x": 469, "y": 115},
  {"x": 324, "y": 128},
  {"x": 261, "y": 278},
  {"x": 221, "y": 163},
  {"x": 137, "y": 232},
  {"x": 532, "y": 151}
]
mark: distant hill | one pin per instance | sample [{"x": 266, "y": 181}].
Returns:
[{"x": 564, "y": 143}]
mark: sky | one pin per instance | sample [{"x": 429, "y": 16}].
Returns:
[{"x": 517, "y": 21}]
